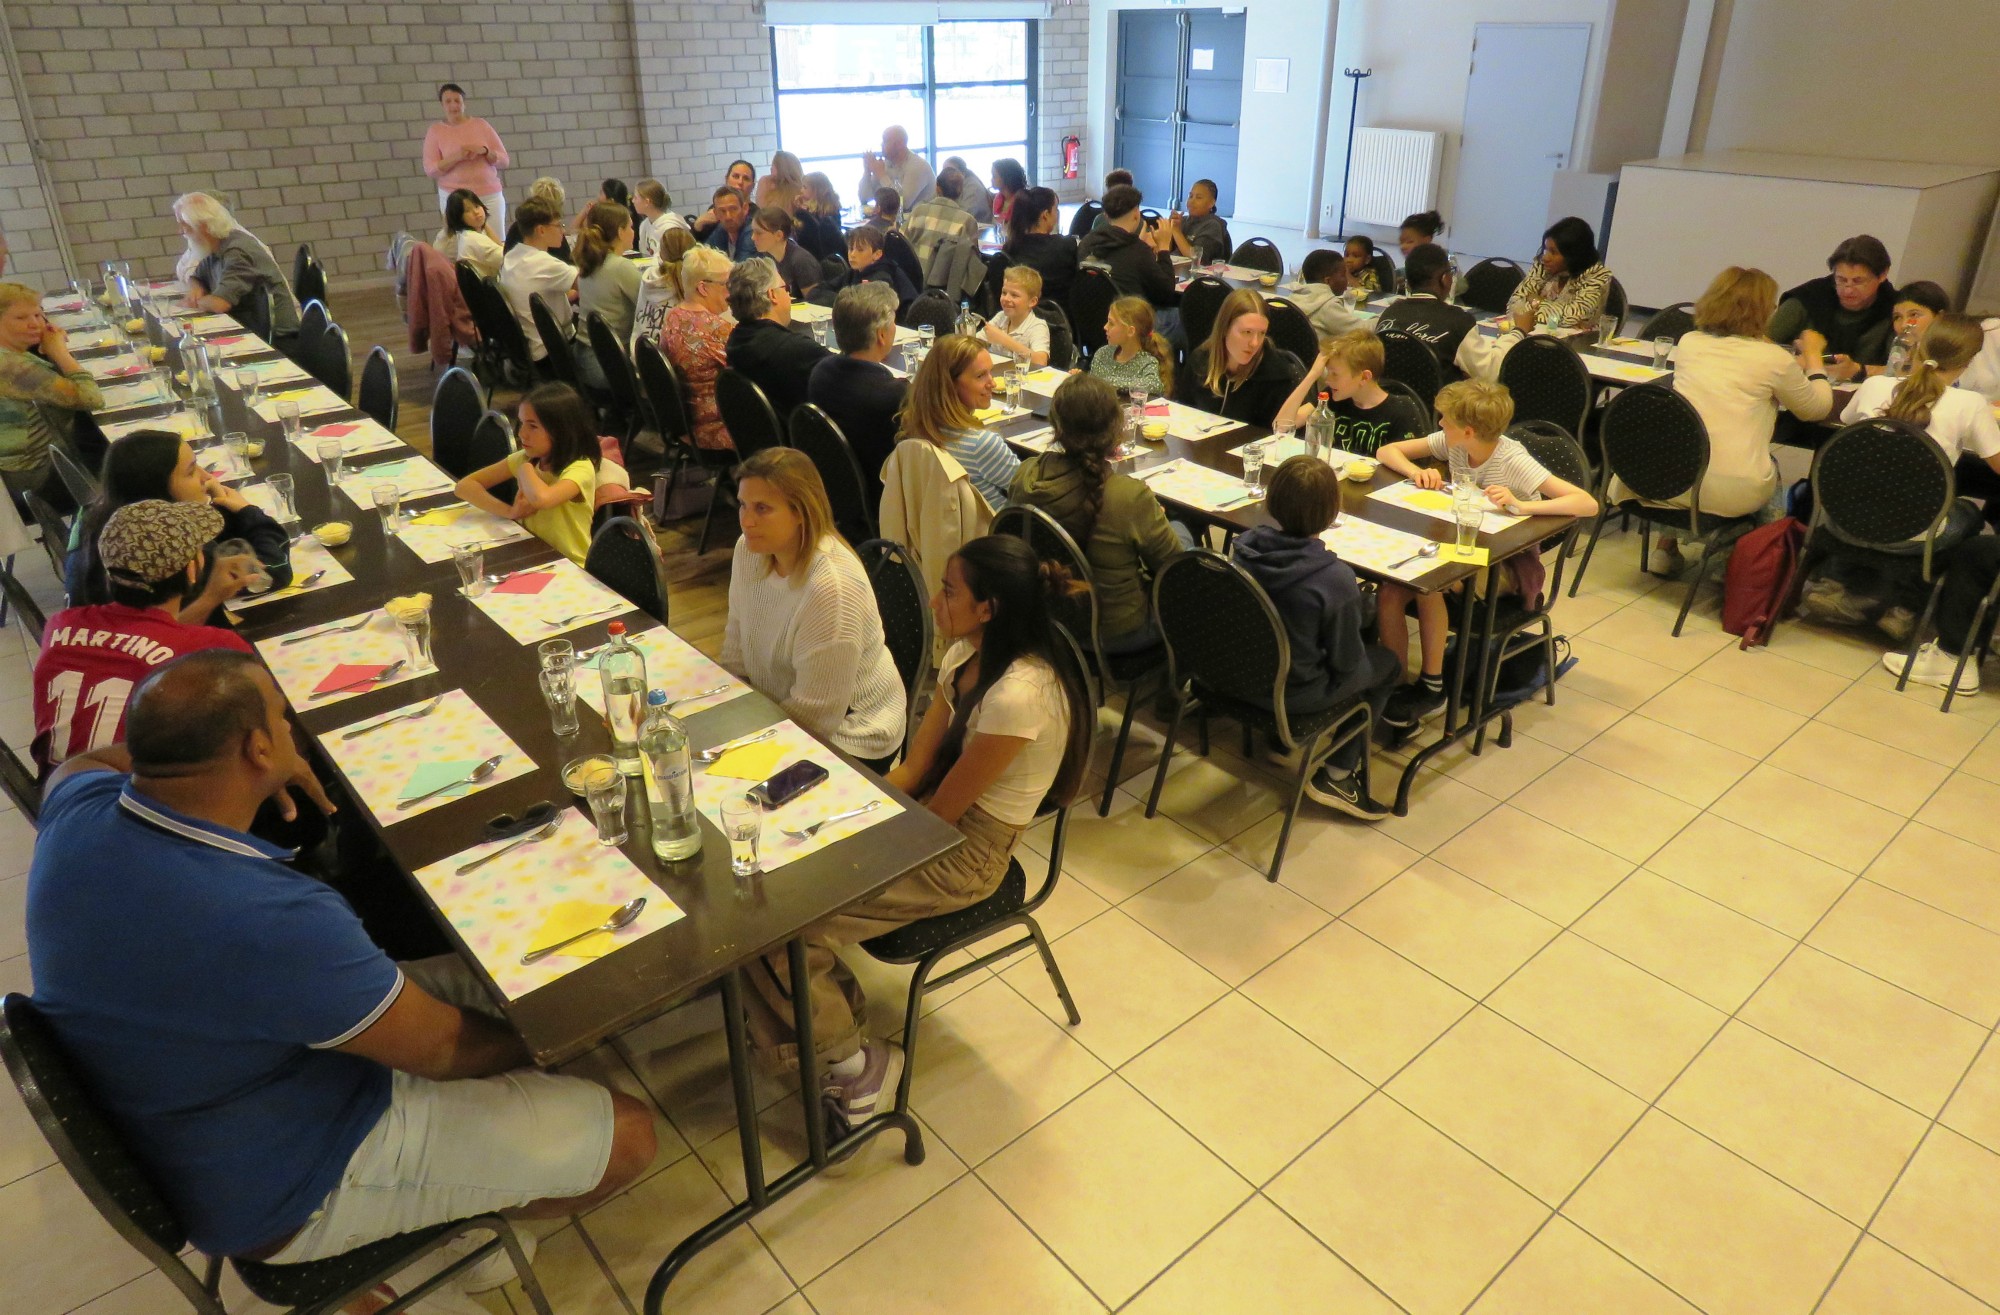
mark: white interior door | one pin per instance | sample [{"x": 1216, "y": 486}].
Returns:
[{"x": 1520, "y": 120}]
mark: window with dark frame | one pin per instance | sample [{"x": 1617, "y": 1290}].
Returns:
[{"x": 963, "y": 89}]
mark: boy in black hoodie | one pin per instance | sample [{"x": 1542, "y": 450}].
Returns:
[{"x": 1320, "y": 602}]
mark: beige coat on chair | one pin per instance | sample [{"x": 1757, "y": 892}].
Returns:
[{"x": 930, "y": 507}]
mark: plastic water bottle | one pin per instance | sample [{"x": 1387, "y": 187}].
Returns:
[
  {"x": 669, "y": 771},
  {"x": 622, "y": 668},
  {"x": 1899, "y": 358},
  {"x": 1320, "y": 428}
]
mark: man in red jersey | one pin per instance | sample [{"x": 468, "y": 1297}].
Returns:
[{"x": 94, "y": 657}]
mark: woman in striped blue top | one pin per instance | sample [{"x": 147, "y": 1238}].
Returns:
[{"x": 954, "y": 382}]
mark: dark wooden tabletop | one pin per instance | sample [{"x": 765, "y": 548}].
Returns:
[{"x": 729, "y": 920}]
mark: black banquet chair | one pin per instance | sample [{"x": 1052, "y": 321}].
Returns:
[
  {"x": 327, "y": 358},
  {"x": 1490, "y": 283},
  {"x": 1291, "y": 330},
  {"x": 254, "y": 312},
  {"x": 1258, "y": 253},
  {"x": 308, "y": 276},
  {"x": 381, "y": 398},
  {"x": 1090, "y": 299},
  {"x": 1201, "y": 301},
  {"x": 118, "y": 1187},
  {"x": 929, "y": 941},
  {"x": 1227, "y": 651},
  {"x": 558, "y": 365},
  {"x": 1675, "y": 321},
  {"x": 932, "y": 310},
  {"x": 457, "y": 403},
  {"x": 814, "y": 433},
  {"x": 628, "y": 410},
  {"x": 503, "y": 348},
  {"x": 1548, "y": 381},
  {"x": 1062, "y": 341},
  {"x": 747, "y": 414},
  {"x": 666, "y": 392},
  {"x": 624, "y": 556},
  {"x": 1086, "y": 215},
  {"x": 1409, "y": 360},
  {"x": 907, "y": 625},
  {"x": 1656, "y": 445},
  {"x": 313, "y": 319}
]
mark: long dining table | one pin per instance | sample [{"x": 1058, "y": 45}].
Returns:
[{"x": 725, "y": 923}]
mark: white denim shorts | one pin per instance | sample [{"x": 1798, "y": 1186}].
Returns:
[{"x": 451, "y": 1150}]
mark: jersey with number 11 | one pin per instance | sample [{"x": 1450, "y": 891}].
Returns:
[{"x": 92, "y": 659}]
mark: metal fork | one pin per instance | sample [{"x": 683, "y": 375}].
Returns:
[
  {"x": 355, "y": 624},
  {"x": 585, "y": 616}
]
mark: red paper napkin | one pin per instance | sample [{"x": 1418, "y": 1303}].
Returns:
[
  {"x": 334, "y": 431},
  {"x": 1158, "y": 407},
  {"x": 226, "y": 341},
  {"x": 123, "y": 370},
  {"x": 349, "y": 673},
  {"x": 533, "y": 582}
]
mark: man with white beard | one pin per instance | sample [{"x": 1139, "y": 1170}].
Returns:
[{"x": 225, "y": 263}]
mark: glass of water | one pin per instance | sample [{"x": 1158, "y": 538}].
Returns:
[
  {"x": 329, "y": 451},
  {"x": 605, "y": 789},
  {"x": 284, "y": 492},
  {"x": 559, "y": 692},
  {"x": 388, "y": 500},
  {"x": 238, "y": 445},
  {"x": 415, "y": 622},
  {"x": 743, "y": 824},
  {"x": 1468, "y": 512},
  {"x": 470, "y": 559},
  {"x": 1253, "y": 468},
  {"x": 163, "y": 379},
  {"x": 556, "y": 654},
  {"x": 249, "y": 386},
  {"x": 288, "y": 416},
  {"x": 1663, "y": 350},
  {"x": 1607, "y": 329}
]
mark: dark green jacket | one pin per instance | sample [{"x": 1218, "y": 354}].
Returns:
[{"x": 1130, "y": 543}]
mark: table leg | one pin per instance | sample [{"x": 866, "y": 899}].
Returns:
[
  {"x": 1477, "y": 713},
  {"x": 809, "y": 1062}
]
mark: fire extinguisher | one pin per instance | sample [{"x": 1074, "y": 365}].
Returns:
[{"x": 1072, "y": 156}]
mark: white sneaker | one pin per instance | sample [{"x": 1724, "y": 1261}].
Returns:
[
  {"x": 1933, "y": 666},
  {"x": 495, "y": 1270},
  {"x": 1666, "y": 561}
]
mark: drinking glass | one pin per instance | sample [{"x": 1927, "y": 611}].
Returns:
[
  {"x": 1663, "y": 348},
  {"x": 1014, "y": 389},
  {"x": 1468, "y": 513},
  {"x": 238, "y": 445},
  {"x": 288, "y": 416},
  {"x": 1140, "y": 397},
  {"x": 330, "y": 451},
  {"x": 470, "y": 559},
  {"x": 388, "y": 500},
  {"x": 163, "y": 379},
  {"x": 81, "y": 287},
  {"x": 249, "y": 386},
  {"x": 1607, "y": 329},
  {"x": 259, "y": 580},
  {"x": 1253, "y": 467},
  {"x": 556, "y": 654},
  {"x": 926, "y": 335},
  {"x": 743, "y": 824},
  {"x": 559, "y": 692},
  {"x": 284, "y": 491},
  {"x": 416, "y": 627},
  {"x": 606, "y": 793},
  {"x": 194, "y": 423}
]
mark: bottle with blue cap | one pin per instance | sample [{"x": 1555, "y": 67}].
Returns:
[{"x": 669, "y": 772}]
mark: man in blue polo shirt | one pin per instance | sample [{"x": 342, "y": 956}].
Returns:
[{"x": 293, "y": 1091}]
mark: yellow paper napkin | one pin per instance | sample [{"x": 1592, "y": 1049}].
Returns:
[
  {"x": 1435, "y": 499},
  {"x": 573, "y": 917},
  {"x": 1473, "y": 556},
  {"x": 442, "y": 516},
  {"x": 987, "y": 415},
  {"x": 752, "y": 762}
]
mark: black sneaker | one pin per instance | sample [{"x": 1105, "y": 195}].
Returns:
[
  {"x": 1412, "y": 705},
  {"x": 1344, "y": 793}
]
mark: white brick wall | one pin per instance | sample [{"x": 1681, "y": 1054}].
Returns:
[
  {"x": 24, "y": 211},
  {"x": 309, "y": 119}
]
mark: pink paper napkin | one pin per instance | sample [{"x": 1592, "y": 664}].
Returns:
[
  {"x": 533, "y": 582},
  {"x": 349, "y": 673},
  {"x": 1158, "y": 407},
  {"x": 231, "y": 340},
  {"x": 124, "y": 370},
  {"x": 334, "y": 431}
]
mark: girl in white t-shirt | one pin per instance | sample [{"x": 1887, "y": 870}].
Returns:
[
  {"x": 1007, "y": 727},
  {"x": 1959, "y": 419}
]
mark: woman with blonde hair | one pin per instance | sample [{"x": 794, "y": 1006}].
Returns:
[
  {"x": 694, "y": 335},
  {"x": 1961, "y": 421},
  {"x": 817, "y": 211},
  {"x": 1236, "y": 373},
  {"x": 803, "y": 627},
  {"x": 660, "y": 287},
  {"x": 1736, "y": 379},
  {"x": 42, "y": 389},
  {"x": 1138, "y": 356},
  {"x": 780, "y": 188},
  {"x": 954, "y": 383}
]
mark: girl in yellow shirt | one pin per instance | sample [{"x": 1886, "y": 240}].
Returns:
[{"x": 555, "y": 472}]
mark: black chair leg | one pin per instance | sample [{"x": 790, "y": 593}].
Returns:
[
  {"x": 1055, "y": 974},
  {"x": 1596, "y": 528},
  {"x": 1922, "y": 629},
  {"x": 1694, "y": 585},
  {"x": 1118, "y": 749},
  {"x": 1291, "y": 812},
  {"x": 714, "y": 496},
  {"x": 1974, "y": 646},
  {"x": 912, "y": 1011},
  {"x": 1166, "y": 754}
]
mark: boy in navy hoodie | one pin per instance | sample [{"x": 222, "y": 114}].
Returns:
[{"x": 1325, "y": 617}]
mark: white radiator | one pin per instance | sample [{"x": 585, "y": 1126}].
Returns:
[{"x": 1392, "y": 172}]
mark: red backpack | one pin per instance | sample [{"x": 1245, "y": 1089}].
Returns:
[{"x": 1762, "y": 573}]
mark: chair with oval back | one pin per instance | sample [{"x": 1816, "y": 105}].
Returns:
[
  {"x": 313, "y": 319},
  {"x": 814, "y": 433},
  {"x": 1548, "y": 381},
  {"x": 1085, "y": 217},
  {"x": 456, "y": 406},
  {"x": 1090, "y": 299},
  {"x": 308, "y": 276},
  {"x": 1886, "y": 493},
  {"x": 625, "y": 557},
  {"x": 1227, "y": 649},
  {"x": 900, "y": 598},
  {"x": 1675, "y": 321},
  {"x": 381, "y": 397},
  {"x": 75, "y": 476},
  {"x": 628, "y": 408},
  {"x": 747, "y": 414},
  {"x": 666, "y": 393},
  {"x": 1062, "y": 341},
  {"x": 1490, "y": 283},
  {"x": 1291, "y": 330},
  {"x": 1615, "y": 303},
  {"x": 1409, "y": 360},
  {"x": 558, "y": 365},
  {"x": 330, "y": 361},
  {"x": 254, "y": 312},
  {"x": 1656, "y": 446},
  {"x": 1200, "y": 303},
  {"x": 1258, "y": 253}
]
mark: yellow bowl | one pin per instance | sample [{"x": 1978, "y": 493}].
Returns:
[
  {"x": 135, "y": 325},
  {"x": 1360, "y": 469},
  {"x": 333, "y": 533},
  {"x": 156, "y": 354},
  {"x": 578, "y": 772},
  {"x": 1154, "y": 429},
  {"x": 254, "y": 448},
  {"x": 1269, "y": 280}
]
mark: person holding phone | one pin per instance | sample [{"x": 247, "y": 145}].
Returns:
[
  {"x": 803, "y": 626},
  {"x": 1008, "y": 725}
]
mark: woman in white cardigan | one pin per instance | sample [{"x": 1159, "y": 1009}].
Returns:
[
  {"x": 803, "y": 626},
  {"x": 1736, "y": 379}
]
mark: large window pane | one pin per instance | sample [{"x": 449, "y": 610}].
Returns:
[
  {"x": 979, "y": 159},
  {"x": 982, "y": 114},
  {"x": 981, "y": 52},
  {"x": 838, "y": 55},
  {"x": 847, "y": 122}
]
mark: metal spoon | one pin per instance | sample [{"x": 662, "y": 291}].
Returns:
[
  {"x": 479, "y": 773},
  {"x": 711, "y": 755},
  {"x": 386, "y": 673},
  {"x": 543, "y": 833},
  {"x": 415, "y": 714},
  {"x": 303, "y": 636},
  {"x": 811, "y": 829},
  {"x": 1428, "y": 550},
  {"x": 620, "y": 918},
  {"x": 299, "y": 586}
]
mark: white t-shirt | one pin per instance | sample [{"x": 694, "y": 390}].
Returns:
[
  {"x": 527, "y": 270},
  {"x": 1510, "y": 465},
  {"x": 1961, "y": 421},
  {"x": 474, "y": 248},
  {"x": 1983, "y": 375},
  {"x": 1033, "y": 332},
  {"x": 1026, "y": 703}
]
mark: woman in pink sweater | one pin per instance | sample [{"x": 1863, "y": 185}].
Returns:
[{"x": 464, "y": 151}]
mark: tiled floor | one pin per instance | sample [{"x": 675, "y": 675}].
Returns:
[{"x": 1685, "y": 1002}]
